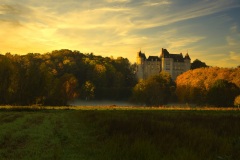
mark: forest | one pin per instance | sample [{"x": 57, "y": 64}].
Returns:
[
  {"x": 62, "y": 75},
  {"x": 57, "y": 77}
]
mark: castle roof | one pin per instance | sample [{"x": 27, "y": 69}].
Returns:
[
  {"x": 153, "y": 58},
  {"x": 165, "y": 54},
  {"x": 142, "y": 55},
  {"x": 187, "y": 56},
  {"x": 175, "y": 57}
]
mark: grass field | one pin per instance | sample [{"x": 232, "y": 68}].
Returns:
[{"x": 119, "y": 134}]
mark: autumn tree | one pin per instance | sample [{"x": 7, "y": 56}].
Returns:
[
  {"x": 194, "y": 85},
  {"x": 237, "y": 101}
]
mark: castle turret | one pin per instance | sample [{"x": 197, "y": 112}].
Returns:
[
  {"x": 140, "y": 57},
  {"x": 164, "y": 54},
  {"x": 140, "y": 64},
  {"x": 187, "y": 57},
  {"x": 187, "y": 61}
]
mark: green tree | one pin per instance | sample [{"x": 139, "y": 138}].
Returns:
[
  {"x": 68, "y": 86},
  {"x": 31, "y": 80},
  {"x": 198, "y": 64},
  {"x": 88, "y": 90},
  {"x": 6, "y": 73},
  {"x": 54, "y": 78},
  {"x": 222, "y": 93},
  {"x": 154, "y": 91}
]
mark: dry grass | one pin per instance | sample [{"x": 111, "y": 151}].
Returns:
[{"x": 114, "y": 107}]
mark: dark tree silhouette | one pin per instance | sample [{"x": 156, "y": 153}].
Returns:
[
  {"x": 222, "y": 93},
  {"x": 198, "y": 64},
  {"x": 154, "y": 91}
]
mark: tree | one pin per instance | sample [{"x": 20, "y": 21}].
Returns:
[
  {"x": 6, "y": 73},
  {"x": 222, "y": 93},
  {"x": 54, "y": 78},
  {"x": 237, "y": 101},
  {"x": 198, "y": 64},
  {"x": 68, "y": 86},
  {"x": 88, "y": 90},
  {"x": 153, "y": 91},
  {"x": 193, "y": 85}
]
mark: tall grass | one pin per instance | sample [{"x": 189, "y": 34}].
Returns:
[{"x": 119, "y": 134}]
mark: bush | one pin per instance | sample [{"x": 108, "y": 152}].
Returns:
[
  {"x": 154, "y": 91},
  {"x": 222, "y": 93},
  {"x": 237, "y": 101}
]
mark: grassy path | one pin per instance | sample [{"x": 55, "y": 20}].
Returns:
[{"x": 119, "y": 134}]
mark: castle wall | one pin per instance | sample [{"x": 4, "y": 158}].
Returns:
[
  {"x": 178, "y": 68},
  {"x": 140, "y": 70},
  {"x": 152, "y": 68},
  {"x": 167, "y": 65},
  {"x": 187, "y": 64}
]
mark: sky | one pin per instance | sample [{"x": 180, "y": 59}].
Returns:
[{"x": 209, "y": 30}]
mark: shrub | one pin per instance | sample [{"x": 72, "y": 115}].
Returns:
[
  {"x": 154, "y": 91},
  {"x": 237, "y": 101},
  {"x": 222, "y": 93}
]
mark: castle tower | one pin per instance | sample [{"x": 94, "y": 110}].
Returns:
[
  {"x": 165, "y": 66},
  {"x": 187, "y": 61},
  {"x": 140, "y": 64},
  {"x": 139, "y": 57}
]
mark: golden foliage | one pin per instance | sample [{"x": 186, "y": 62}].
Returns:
[
  {"x": 205, "y": 77},
  {"x": 193, "y": 85}
]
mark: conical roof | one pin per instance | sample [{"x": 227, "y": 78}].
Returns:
[{"x": 187, "y": 56}]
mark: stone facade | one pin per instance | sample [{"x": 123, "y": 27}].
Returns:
[{"x": 174, "y": 64}]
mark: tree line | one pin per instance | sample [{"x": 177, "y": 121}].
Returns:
[
  {"x": 202, "y": 85},
  {"x": 59, "y": 76}
]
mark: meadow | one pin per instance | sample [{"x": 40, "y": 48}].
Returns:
[{"x": 119, "y": 134}]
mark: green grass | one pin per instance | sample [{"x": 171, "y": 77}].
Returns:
[{"x": 119, "y": 134}]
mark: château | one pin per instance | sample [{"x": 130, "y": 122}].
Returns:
[{"x": 174, "y": 64}]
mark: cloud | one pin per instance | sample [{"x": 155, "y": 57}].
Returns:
[
  {"x": 152, "y": 3},
  {"x": 172, "y": 13},
  {"x": 118, "y": 1},
  {"x": 234, "y": 29},
  {"x": 14, "y": 14},
  {"x": 183, "y": 41},
  {"x": 233, "y": 39},
  {"x": 234, "y": 56}
]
